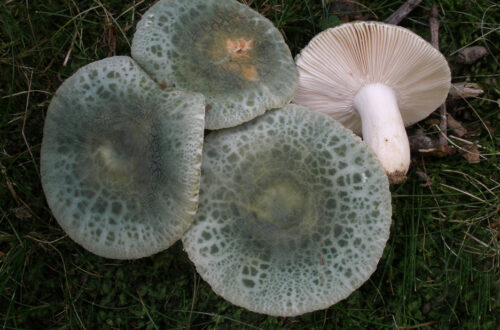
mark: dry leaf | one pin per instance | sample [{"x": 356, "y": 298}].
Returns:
[
  {"x": 425, "y": 178},
  {"x": 444, "y": 151},
  {"x": 456, "y": 126},
  {"x": 429, "y": 145},
  {"x": 426, "y": 308},
  {"x": 463, "y": 90},
  {"x": 470, "y": 55},
  {"x": 420, "y": 141},
  {"x": 472, "y": 154},
  {"x": 127, "y": 27},
  {"x": 22, "y": 212},
  {"x": 432, "y": 121}
]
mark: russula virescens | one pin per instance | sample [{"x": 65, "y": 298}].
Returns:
[
  {"x": 121, "y": 159},
  {"x": 222, "y": 49},
  {"x": 294, "y": 213},
  {"x": 375, "y": 79}
]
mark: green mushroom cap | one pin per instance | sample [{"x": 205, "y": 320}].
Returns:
[
  {"x": 222, "y": 49},
  {"x": 121, "y": 158},
  {"x": 294, "y": 213}
]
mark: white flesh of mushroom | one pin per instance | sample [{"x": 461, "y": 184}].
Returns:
[
  {"x": 375, "y": 79},
  {"x": 383, "y": 129}
]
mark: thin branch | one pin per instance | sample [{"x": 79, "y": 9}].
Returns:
[
  {"x": 434, "y": 23},
  {"x": 402, "y": 11},
  {"x": 443, "y": 123}
]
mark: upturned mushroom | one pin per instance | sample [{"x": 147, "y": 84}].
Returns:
[
  {"x": 121, "y": 158},
  {"x": 375, "y": 79},
  {"x": 294, "y": 213},
  {"x": 222, "y": 49}
]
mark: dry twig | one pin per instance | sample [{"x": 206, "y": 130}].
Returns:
[
  {"x": 402, "y": 11},
  {"x": 443, "y": 124}
]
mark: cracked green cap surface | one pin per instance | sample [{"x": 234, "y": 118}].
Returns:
[
  {"x": 294, "y": 213},
  {"x": 121, "y": 158},
  {"x": 222, "y": 49}
]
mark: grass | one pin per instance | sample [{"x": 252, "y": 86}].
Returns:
[{"x": 440, "y": 267}]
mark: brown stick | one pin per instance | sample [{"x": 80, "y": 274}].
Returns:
[
  {"x": 443, "y": 124},
  {"x": 402, "y": 11},
  {"x": 434, "y": 23}
]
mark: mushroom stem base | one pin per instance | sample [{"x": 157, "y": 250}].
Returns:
[{"x": 383, "y": 129}]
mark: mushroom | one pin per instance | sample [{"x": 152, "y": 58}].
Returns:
[
  {"x": 121, "y": 159},
  {"x": 376, "y": 79},
  {"x": 222, "y": 49},
  {"x": 294, "y": 213}
]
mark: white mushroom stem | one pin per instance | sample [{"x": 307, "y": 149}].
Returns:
[{"x": 383, "y": 129}]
